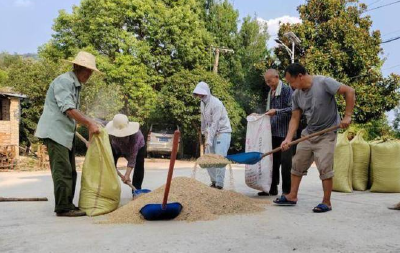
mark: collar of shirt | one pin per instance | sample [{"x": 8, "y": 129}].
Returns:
[
  {"x": 75, "y": 78},
  {"x": 277, "y": 93}
]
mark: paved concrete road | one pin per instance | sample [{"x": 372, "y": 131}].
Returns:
[{"x": 359, "y": 222}]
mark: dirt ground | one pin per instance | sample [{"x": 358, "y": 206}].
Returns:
[{"x": 359, "y": 222}]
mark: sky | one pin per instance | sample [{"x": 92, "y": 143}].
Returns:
[{"x": 27, "y": 24}]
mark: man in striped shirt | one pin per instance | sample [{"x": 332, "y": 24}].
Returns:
[{"x": 279, "y": 108}]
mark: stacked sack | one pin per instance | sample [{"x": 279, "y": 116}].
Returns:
[
  {"x": 385, "y": 166},
  {"x": 361, "y": 158},
  {"x": 343, "y": 164},
  {"x": 358, "y": 164}
]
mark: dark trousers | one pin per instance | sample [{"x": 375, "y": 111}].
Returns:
[
  {"x": 283, "y": 159},
  {"x": 138, "y": 171},
  {"x": 63, "y": 172}
]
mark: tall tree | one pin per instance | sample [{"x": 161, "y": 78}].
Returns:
[
  {"x": 140, "y": 43},
  {"x": 251, "y": 54},
  {"x": 337, "y": 41}
]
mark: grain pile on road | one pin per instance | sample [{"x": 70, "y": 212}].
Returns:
[{"x": 200, "y": 202}]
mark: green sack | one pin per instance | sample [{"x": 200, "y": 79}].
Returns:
[
  {"x": 100, "y": 187},
  {"x": 343, "y": 165},
  {"x": 385, "y": 166},
  {"x": 361, "y": 157}
]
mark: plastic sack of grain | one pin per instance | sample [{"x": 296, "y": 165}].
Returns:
[
  {"x": 343, "y": 165},
  {"x": 385, "y": 166},
  {"x": 259, "y": 139},
  {"x": 100, "y": 187},
  {"x": 361, "y": 158}
]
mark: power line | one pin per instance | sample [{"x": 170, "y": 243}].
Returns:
[
  {"x": 381, "y": 6},
  {"x": 386, "y": 34},
  {"x": 392, "y": 67},
  {"x": 390, "y": 40},
  {"x": 369, "y": 5}
]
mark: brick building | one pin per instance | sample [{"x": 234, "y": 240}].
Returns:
[{"x": 10, "y": 112}]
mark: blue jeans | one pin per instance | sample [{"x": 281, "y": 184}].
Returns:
[{"x": 220, "y": 146}]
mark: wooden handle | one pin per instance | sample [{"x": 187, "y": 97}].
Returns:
[
  {"x": 82, "y": 139},
  {"x": 303, "y": 139},
  {"x": 122, "y": 176},
  {"x": 22, "y": 199},
  {"x": 171, "y": 167}
]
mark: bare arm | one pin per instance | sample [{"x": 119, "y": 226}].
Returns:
[
  {"x": 83, "y": 120},
  {"x": 293, "y": 126},
  {"x": 350, "y": 98}
]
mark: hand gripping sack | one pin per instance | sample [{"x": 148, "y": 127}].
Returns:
[
  {"x": 100, "y": 187},
  {"x": 385, "y": 166},
  {"x": 258, "y": 138},
  {"x": 343, "y": 165},
  {"x": 361, "y": 158}
]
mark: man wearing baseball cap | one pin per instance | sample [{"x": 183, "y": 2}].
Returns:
[{"x": 57, "y": 126}]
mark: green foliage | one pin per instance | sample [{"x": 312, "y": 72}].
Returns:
[
  {"x": 139, "y": 43},
  {"x": 337, "y": 41},
  {"x": 177, "y": 105},
  {"x": 31, "y": 78},
  {"x": 249, "y": 82},
  {"x": 375, "y": 129},
  {"x": 396, "y": 122}
]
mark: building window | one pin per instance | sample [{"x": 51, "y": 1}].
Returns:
[{"x": 4, "y": 109}]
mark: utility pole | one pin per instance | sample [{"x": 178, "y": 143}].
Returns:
[{"x": 217, "y": 51}]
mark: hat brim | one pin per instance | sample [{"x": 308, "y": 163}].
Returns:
[
  {"x": 85, "y": 66},
  {"x": 132, "y": 128}
]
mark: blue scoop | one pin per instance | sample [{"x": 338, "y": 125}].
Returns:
[{"x": 157, "y": 212}]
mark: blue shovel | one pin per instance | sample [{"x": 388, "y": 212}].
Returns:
[
  {"x": 255, "y": 157},
  {"x": 165, "y": 211}
]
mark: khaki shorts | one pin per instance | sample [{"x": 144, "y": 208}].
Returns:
[{"x": 319, "y": 149}]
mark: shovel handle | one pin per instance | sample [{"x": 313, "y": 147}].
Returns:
[
  {"x": 82, "y": 139},
  {"x": 121, "y": 176},
  {"x": 302, "y": 139},
  {"x": 171, "y": 167}
]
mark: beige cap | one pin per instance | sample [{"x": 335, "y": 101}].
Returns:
[
  {"x": 86, "y": 60},
  {"x": 121, "y": 127}
]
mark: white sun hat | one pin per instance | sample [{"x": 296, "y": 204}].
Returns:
[
  {"x": 86, "y": 60},
  {"x": 121, "y": 127}
]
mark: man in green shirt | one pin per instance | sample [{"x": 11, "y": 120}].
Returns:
[{"x": 57, "y": 127}]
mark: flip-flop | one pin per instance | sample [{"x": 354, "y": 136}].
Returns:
[
  {"x": 322, "y": 208},
  {"x": 283, "y": 201}
]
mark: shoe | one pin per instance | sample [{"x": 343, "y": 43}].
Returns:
[
  {"x": 263, "y": 194},
  {"x": 219, "y": 187},
  {"x": 71, "y": 213},
  {"x": 212, "y": 185}
]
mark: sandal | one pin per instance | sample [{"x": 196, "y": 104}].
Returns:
[
  {"x": 283, "y": 201},
  {"x": 322, "y": 208}
]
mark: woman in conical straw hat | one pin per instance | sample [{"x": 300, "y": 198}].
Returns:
[
  {"x": 128, "y": 141},
  {"x": 57, "y": 126}
]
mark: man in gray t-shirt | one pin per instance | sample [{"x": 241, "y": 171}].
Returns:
[
  {"x": 315, "y": 98},
  {"x": 318, "y": 104}
]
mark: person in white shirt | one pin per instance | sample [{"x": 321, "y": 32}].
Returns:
[{"x": 216, "y": 127}]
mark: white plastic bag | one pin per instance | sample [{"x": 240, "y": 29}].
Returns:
[{"x": 259, "y": 139}]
